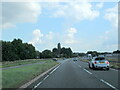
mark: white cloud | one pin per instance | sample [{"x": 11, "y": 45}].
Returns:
[
  {"x": 76, "y": 10},
  {"x": 112, "y": 16},
  {"x": 16, "y": 12},
  {"x": 50, "y": 36},
  {"x": 99, "y": 5},
  {"x": 70, "y": 36},
  {"x": 37, "y": 35},
  {"x": 110, "y": 37}
]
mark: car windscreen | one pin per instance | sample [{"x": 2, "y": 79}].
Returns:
[{"x": 100, "y": 58}]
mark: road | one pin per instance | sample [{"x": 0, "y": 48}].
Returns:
[{"x": 76, "y": 74}]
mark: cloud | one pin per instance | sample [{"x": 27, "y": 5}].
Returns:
[
  {"x": 70, "y": 36},
  {"x": 17, "y": 12},
  {"x": 99, "y": 5},
  {"x": 110, "y": 37},
  {"x": 50, "y": 36},
  {"x": 37, "y": 35},
  {"x": 76, "y": 11},
  {"x": 112, "y": 16}
]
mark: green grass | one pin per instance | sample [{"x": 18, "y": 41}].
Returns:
[
  {"x": 0, "y": 79},
  {"x": 20, "y": 62},
  {"x": 115, "y": 65},
  {"x": 13, "y": 78}
]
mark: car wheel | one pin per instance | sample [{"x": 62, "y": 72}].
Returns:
[
  {"x": 93, "y": 67},
  {"x": 89, "y": 66},
  {"x": 107, "y": 68}
]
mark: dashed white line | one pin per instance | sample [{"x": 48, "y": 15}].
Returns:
[
  {"x": 79, "y": 66},
  {"x": 108, "y": 84},
  {"x": 87, "y": 71}
]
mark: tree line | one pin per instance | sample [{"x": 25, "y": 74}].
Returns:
[{"x": 17, "y": 50}]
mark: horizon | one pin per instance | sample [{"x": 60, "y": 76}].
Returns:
[{"x": 66, "y": 47}]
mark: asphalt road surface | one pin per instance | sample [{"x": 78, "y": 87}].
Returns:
[{"x": 76, "y": 74}]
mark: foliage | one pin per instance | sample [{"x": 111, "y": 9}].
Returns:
[
  {"x": 117, "y": 51},
  {"x": 16, "y": 50},
  {"x": 47, "y": 54}
]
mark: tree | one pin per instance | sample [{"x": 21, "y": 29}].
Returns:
[
  {"x": 47, "y": 54},
  {"x": 54, "y": 50},
  {"x": 7, "y": 52},
  {"x": 40, "y": 54},
  {"x": 16, "y": 50},
  {"x": 93, "y": 53},
  {"x": 69, "y": 52},
  {"x": 117, "y": 51},
  {"x": 59, "y": 49},
  {"x": 81, "y": 54},
  {"x": 37, "y": 54},
  {"x": 66, "y": 52}
]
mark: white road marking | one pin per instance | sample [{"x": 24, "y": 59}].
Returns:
[
  {"x": 114, "y": 69},
  {"x": 37, "y": 85},
  {"x": 54, "y": 69},
  {"x": 108, "y": 84},
  {"x": 46, "y": 77},
  {"x": 87, "y": 71},
  {"x": 79, "y": 66}
]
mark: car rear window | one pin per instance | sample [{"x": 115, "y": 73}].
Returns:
[{"x": 100, "y": 58}]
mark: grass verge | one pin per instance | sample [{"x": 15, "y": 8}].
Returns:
[
  {"x": 13, "y": 78},
  {"x": 20, "y": 62}
]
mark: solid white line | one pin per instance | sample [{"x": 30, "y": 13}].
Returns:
[
  {"x": 108, "y": 84},
  {"x": 57, "y": 67},
  {"x": 46, "y": 77},
  {"x": 37, "y": 85},
  {"x": 54, "y": 69},
  {"x": 87, "y": 71}
]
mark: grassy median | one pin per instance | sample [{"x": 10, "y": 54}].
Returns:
[
  {"x": 20, "y": 62},
  {"x": 15, "y": 77}
]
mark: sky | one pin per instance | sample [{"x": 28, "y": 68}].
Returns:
[{"x": 82, "y": 25}]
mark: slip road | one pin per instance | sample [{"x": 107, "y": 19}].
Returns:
[{"x": 76, "y": 74}]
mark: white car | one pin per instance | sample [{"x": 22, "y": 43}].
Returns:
[{"x": 99, "y": 62}]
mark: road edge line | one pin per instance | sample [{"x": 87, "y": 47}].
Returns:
[{"x": 36, "y": 78}]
